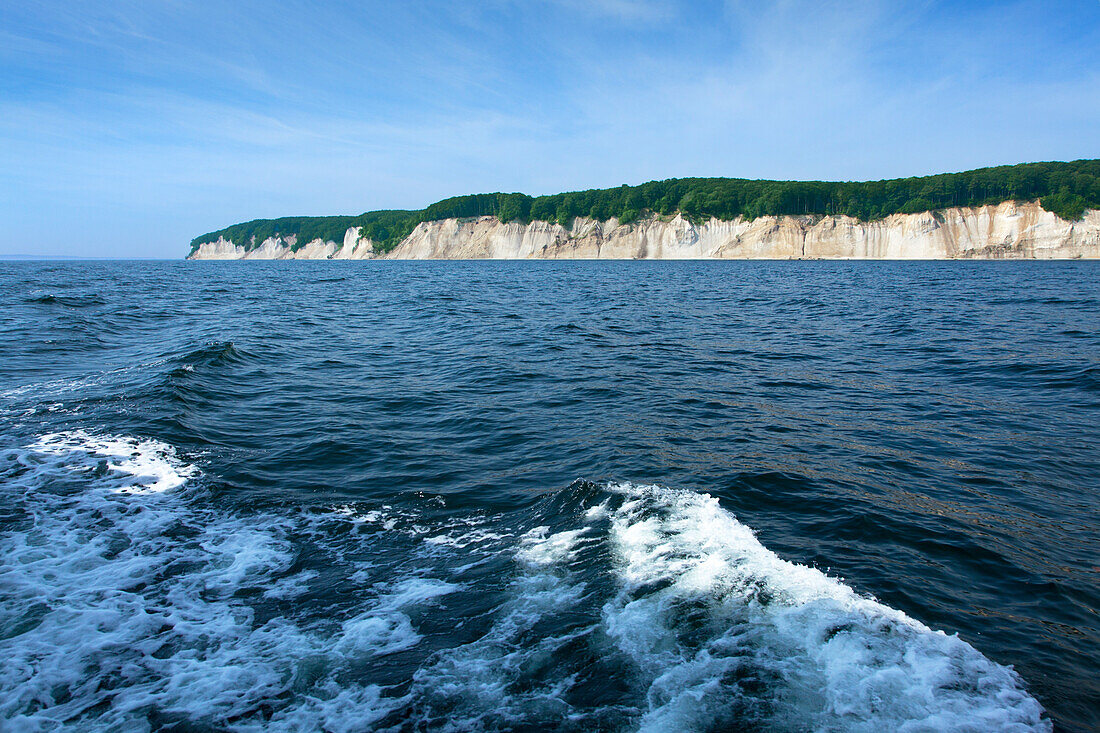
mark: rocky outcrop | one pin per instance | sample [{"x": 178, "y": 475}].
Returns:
[{"x": 1011, "y": 230}]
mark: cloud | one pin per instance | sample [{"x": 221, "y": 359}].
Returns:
[
  {"x": 341, "y": 109},
  {"x": 638, "y": 11}
]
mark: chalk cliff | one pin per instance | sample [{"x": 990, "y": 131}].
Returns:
[{"x": 1011, "y": 230}]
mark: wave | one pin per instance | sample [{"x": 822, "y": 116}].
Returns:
[
  {"x": 125, "y": 602},
  {"x": 131, "y": 377},
  {"x": 138, "y": 465},
  {"x": 203, "y": 363},
  {"x": 134, "y": 600},
  {"x": 215, "y": 353},
  {"x": 723, "y": 630},
  {"x": 68, "y": 301},
  {"x": 663, "y": 612}
]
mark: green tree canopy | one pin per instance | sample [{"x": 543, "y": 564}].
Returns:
[{"x": 1066, "y": 189}]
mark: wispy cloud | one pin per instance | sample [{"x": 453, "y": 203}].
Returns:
[
  {"x": 648, "y": 11},
  {"x": 140, "y": 125}
]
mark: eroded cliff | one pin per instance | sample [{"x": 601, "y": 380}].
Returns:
[{"x": 1011, "y": 230}]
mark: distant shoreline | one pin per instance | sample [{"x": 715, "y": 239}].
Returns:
[
  {"x": 1065, "y": 189},
  {"x": 1010, "y": 230},
  {"x": 76, "y": 258}
]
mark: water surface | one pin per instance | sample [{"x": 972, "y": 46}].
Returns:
[{"x": 527, "y": 495}]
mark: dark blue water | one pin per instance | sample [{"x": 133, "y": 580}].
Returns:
[{"x": 529, "y": 496}]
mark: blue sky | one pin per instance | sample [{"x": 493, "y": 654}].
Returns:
[{"x": 127, "y": 128}]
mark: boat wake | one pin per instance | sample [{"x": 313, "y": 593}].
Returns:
[{"x": 132, "y": 598}]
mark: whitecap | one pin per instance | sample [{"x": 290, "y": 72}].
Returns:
[
  {"x": 722, "y": 631},
  {"x": 123, "y": 604},
  {"x": 123, "y": 608},
  {"x": 139, "y": 465},
  {"x": 541, "y": 548}
]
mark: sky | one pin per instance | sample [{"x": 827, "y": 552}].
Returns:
[{"x": 129, "y": 127}]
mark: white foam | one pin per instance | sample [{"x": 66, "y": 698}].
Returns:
[
  {"x": 382, "y": 628},
  {"x": 540, "y": 548},
  {"x": 414, "y": 591},
  {"x": 291, "y": 586},
  {"x": 464, "y": 539},
  {"x": 475, "y": 684},
  {"x": 122, "y": 603},
  {"x": 723, "y": 630},
  {"x": 122, "y": 600},
  {"x": 465, "y": 533},
  {"x": 144, "y": 466}
]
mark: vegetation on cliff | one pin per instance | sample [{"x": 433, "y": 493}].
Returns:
[{"x": 1066, "y": 189}]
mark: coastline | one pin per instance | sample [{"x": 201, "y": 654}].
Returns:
[{"x": 1010, "y": 230}]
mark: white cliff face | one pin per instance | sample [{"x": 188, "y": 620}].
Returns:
[
  {"x": 1010, "y": 230},
  {"x": 353, "y": 247},
  {"x": 223, "y": 249}
]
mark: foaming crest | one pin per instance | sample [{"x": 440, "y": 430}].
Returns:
[
  {"x": 542, "y": 549},
  {"x": 140, "y": 466},
  {"x": 662, "y": 612},
  {"x": 124, "y": 603},
  {"x": 723, "y": 632},
  {"x": 131, "y": 602}
]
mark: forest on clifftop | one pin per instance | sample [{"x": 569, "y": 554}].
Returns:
[{"x": 1066, "y": 189}]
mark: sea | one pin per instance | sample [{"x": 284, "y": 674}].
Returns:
[{"x": 535, "y": 496}]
